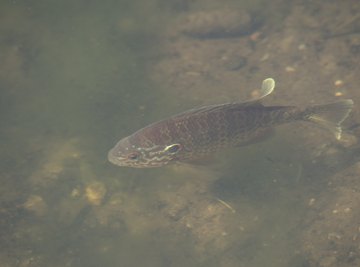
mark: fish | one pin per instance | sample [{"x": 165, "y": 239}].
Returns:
[{"x": 200, "y": 132}]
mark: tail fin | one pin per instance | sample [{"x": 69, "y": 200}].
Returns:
[{"x": 330, "y": 116}]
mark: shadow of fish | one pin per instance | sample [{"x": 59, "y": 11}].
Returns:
[{"x": 198, "y": 133}]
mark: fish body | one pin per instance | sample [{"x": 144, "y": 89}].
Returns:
[{"x": 201, "y": 132}]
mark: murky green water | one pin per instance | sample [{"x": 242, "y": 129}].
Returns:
[{"x": 75, "y": 76}]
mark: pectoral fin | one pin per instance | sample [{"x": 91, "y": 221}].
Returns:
[{"x": 259, "y": 135}]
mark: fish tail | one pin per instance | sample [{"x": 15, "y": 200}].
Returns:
[{"x": 330, "y": 116}]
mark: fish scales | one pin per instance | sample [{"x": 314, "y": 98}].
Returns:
[
  {"x": 230, "y": 125},
  {"x": 197, "y": 133}
]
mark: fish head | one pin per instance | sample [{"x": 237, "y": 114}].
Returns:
[{"x": 128, "y": 154}]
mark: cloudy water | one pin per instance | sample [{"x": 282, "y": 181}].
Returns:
[{"x": 77, "y": 76}]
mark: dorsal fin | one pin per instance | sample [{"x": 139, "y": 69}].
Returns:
[{"x": 267, "y": 87}]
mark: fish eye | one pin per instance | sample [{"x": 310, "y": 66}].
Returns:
[
  {"x": 133, "y": 156},
  {"x": 173, "y": 148}
]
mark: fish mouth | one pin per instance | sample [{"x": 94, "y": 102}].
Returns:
[
  {"x": 123, "y": 162},
  {"x": 113, "y": 159}
]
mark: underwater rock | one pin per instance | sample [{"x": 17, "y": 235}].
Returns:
[
  {"x": 36, "y": 204},
  {"x": 95, "y": 193}
]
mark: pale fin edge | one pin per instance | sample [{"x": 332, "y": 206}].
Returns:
[{"x": 267, "y": 87}]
